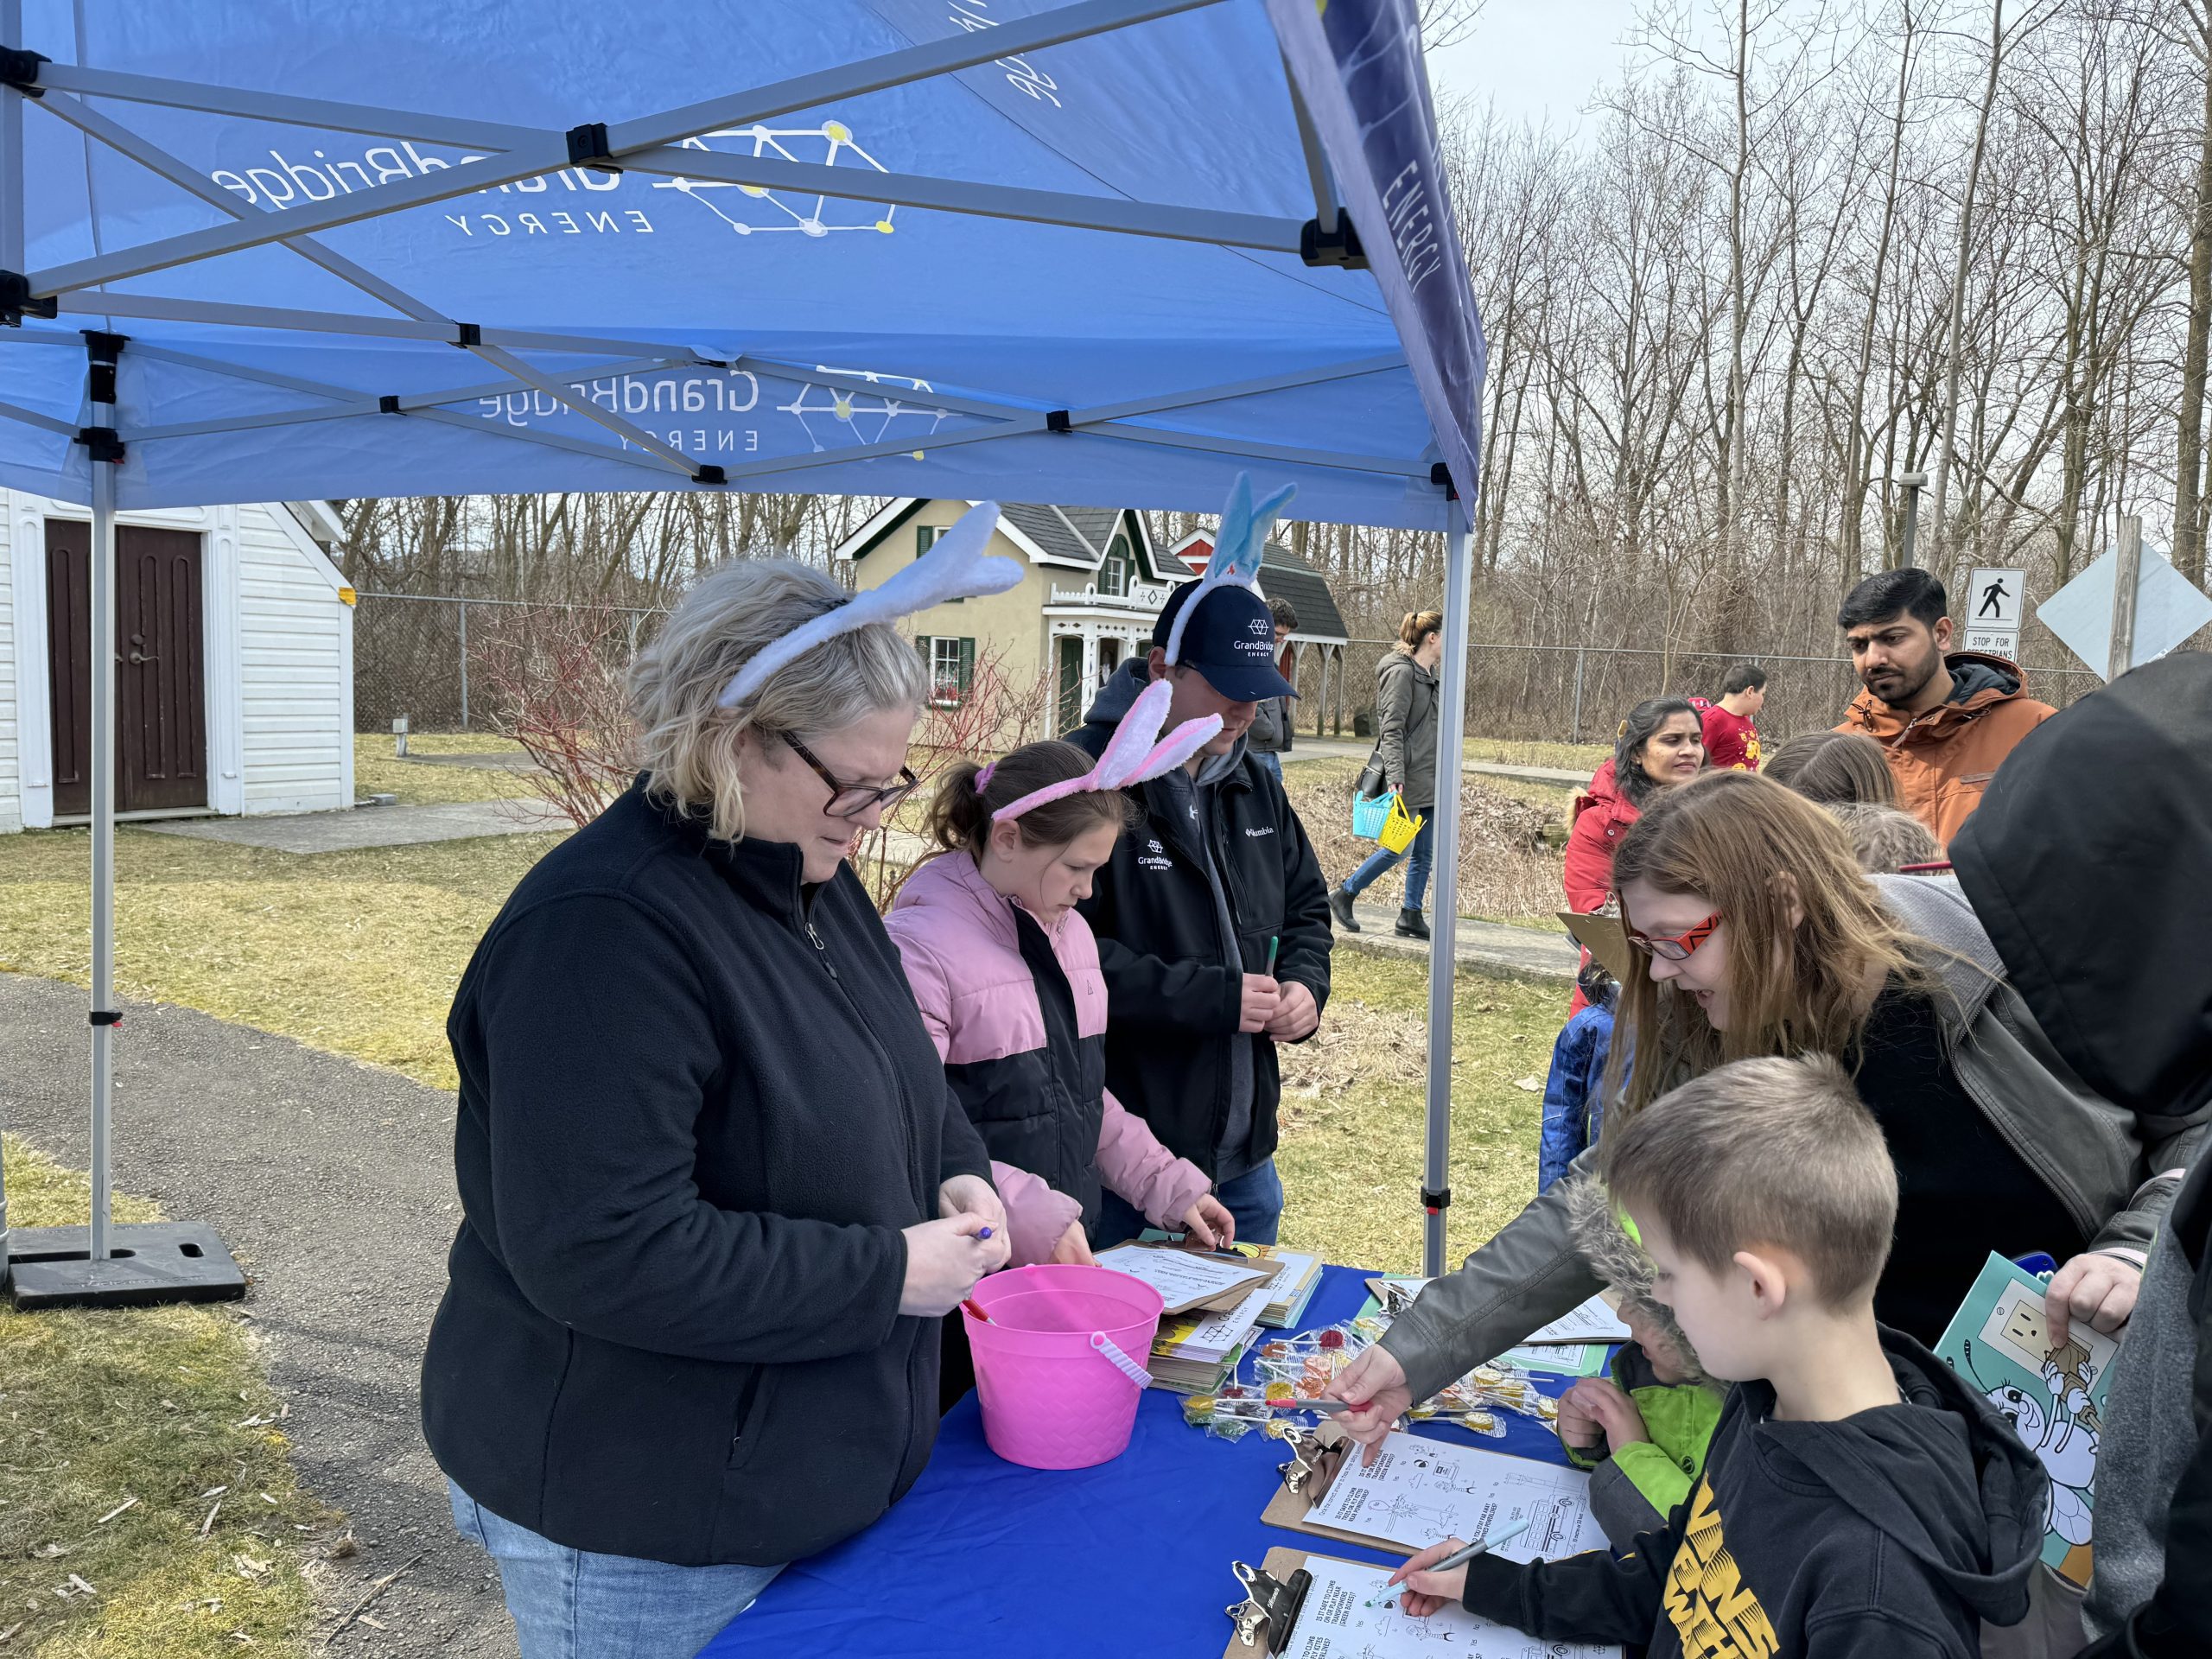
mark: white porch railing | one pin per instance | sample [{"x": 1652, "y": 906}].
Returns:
[{"x": 1140, "y": 596}]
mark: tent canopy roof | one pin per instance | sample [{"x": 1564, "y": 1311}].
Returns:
[{"x": 911, "y": 333}]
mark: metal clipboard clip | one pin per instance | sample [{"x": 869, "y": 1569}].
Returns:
[
  {"x": 1313, "y": 1463},
  {"x": 1270, "y": 1606}
]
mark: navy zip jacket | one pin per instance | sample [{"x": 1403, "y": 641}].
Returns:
[
  {"x": 1891, "y": 1535},
  {"x": 1173, "y": 999},
  {"x": 697, "y": 1108}
]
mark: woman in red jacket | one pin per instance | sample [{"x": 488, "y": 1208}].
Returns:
[{"x": 1662, "y": 746}]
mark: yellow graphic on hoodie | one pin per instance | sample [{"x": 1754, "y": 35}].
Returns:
[{"x": 1711, "y": 1609}]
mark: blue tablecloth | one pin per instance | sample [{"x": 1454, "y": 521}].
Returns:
[{"x": 984, "y": 1558}]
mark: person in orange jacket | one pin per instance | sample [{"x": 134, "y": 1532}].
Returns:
[{"x": 1945, "y": 719}]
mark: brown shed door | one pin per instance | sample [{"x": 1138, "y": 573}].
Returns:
[{"x": 161, "y": 709}]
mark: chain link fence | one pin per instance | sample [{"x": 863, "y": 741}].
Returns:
[
  {"x": 1579, "y": 694},
  {"x": 422, "y": 655},
  {"x": 413, "y": 656}
]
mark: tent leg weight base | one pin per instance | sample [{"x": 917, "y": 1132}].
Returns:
[{"x": 150, "y": 1263}]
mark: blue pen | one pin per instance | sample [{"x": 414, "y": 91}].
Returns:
[{"x": 984, "y": 1233}]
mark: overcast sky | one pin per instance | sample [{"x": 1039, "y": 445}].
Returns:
[{"x": 1537, "y": 58}]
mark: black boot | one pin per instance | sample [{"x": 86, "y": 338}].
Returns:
[
  {"x": 1412, "y": 924},
  {"x": 1340, "y": 907}
]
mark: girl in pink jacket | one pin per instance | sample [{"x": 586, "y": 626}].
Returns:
[{"x": 1007, "y": 977}]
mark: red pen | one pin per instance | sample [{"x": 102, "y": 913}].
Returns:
[{"x": 969, "y": 1302}]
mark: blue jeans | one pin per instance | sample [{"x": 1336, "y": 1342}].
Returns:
[
  {"x": 1380, "y": 861},
  {"x": 1254, "y": 1197},
  {"x": 1272, "y": 762},
  {"x": 572, "y": 1603}
]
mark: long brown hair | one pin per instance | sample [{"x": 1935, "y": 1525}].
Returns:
[
  {"x": 1750, "y": 847},
  {"x": 1835, "y": 768},
  {"x": 960, "y": 813}
]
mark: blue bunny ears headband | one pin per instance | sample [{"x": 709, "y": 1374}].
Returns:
[
  {"x": 956, "y": 567},
  {"x": 1238, "y": 549}
]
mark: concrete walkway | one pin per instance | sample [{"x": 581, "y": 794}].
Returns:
[
  {"x": 1333, "y": 748},
  {"x": 1491, "y": 947},
  {"x": 332, "y": 1183},
  {"x": 370, "y": 826}
]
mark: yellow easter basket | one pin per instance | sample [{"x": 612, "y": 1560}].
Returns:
[{"x": 1401, "y": 827}]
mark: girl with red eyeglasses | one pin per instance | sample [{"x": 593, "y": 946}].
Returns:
[{"x": 1757, "y": 934}]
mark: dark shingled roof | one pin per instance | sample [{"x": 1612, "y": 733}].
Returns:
[
  {"x": 1284, "y": 576},
  {"x": 1045, "y": 526}
]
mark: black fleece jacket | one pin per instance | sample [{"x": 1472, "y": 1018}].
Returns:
[
  {"x": 697, "y": 1108},
  {"x": 1891, "y": 1535},
  {"x": 1172, "y": 997}
]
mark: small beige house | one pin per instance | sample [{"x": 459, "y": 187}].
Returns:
[
  {"x": 1093, "y": 586},
  {"x": 1094, "y": 583}
]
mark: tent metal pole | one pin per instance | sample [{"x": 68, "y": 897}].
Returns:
[
  {"x": 162, "y": 309},
  {"x": 103, "y": 666},
  {"x": 1327, "y": 210},
  {"x": 11, "y": 186},
  {"x": 32, "y": 417},
  {"x": 1443, "y": 948}
]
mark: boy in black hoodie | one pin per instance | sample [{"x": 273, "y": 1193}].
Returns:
[{"x": 1858, "y": 1501}]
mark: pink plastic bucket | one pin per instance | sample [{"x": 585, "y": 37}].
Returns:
[{"x": 1051, "y": 1398}]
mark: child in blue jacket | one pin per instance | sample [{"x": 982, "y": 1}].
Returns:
[{"x": 1573, "y": 1100}]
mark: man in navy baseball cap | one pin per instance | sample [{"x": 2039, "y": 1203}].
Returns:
[
  {"x": 1213, "y": 916},
  {"x": 1227, "y": 665}
]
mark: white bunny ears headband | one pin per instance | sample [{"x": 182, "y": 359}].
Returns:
[
  {"x": 956, "y": 567},
  {"x": 1130, "y": 756},
  {"x": 1238, "y": 547}
]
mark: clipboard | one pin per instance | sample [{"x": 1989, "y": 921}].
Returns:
[
  {"x": 1603, "y": 938},
  {"x": 1270, "y": 1637},
  {"x": 1258, "y": 1273},
  {"x": 1316, "y": 1459}
]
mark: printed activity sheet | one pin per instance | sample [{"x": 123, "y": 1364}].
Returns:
[
  {"x": 1418, "y": 1492},
  {"x": 1351, "y": 1612},
  {"x": 1591, "y": 1322},
  {"x": 1182, "y": 1278}
]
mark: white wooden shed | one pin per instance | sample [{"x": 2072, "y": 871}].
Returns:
[{"x": 234, "y": 670}]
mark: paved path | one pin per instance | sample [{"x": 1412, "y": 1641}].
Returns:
[
  {"x": 333, "y": 1184},
  {"x": 370, "y": 826},
  {"x": 494, "y": 762},
  {"x": 1330, "y": 748},
  {"x": 1523, "y": 952}
]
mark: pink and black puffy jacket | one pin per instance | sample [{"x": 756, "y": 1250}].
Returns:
[{"x": 1019, "y": 1016}]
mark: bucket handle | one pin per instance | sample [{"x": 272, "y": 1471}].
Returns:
[{"x": 1122, "y": 1362}]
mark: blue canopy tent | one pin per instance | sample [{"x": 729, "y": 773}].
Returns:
[{"x": 1109, "y": 253}]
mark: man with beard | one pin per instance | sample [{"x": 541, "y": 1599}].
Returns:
[{"x": 1946, "y": 718}]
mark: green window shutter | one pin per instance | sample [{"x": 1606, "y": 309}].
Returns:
[
  {"x": 967, "y": 666},
  {"x": 922, "y": 645},
  {"x": 924, "y": 539}
]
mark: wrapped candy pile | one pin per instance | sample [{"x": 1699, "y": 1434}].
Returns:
[{"x": 1274, "y": 1387}]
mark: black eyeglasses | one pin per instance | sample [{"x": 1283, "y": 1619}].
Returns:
[{"x": 850, "y": 800}]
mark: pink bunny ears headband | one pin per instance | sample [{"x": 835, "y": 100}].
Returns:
[
  {"x": 1131, "y": 756},
  {"x": 956, "y": 567},
  {"x": 1238, "y": 547}
]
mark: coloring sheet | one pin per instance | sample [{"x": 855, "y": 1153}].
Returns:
[
  {"x": 1418, "y": 1492},
  {"x": 1352, "y": 1613},
  {"x": 1177, "y": 1275},
  {"x": 1591, "y": 1322}
]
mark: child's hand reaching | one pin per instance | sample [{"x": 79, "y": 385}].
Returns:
[
  {"x": 1425, "y": 1592},
  {"x": 1596, "y": 1406},
  {"x": 1207, "y": 1224}
]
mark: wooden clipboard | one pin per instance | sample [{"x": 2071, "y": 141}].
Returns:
[
  {"x": 1282, "y": 1561},
  {"x": 1604, "y": 938},
  {"x": 1262, "y": 1273},
  {"x": 1291, "y": 1509}
]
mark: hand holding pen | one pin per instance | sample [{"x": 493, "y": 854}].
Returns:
[{"x": 1439, "y": 1574}]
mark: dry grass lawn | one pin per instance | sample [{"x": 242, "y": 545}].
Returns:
[
  {"x": 358, "y": 952},
  {"x": 376, "y": 771},
  {"x": 168, "y": 1407}
]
